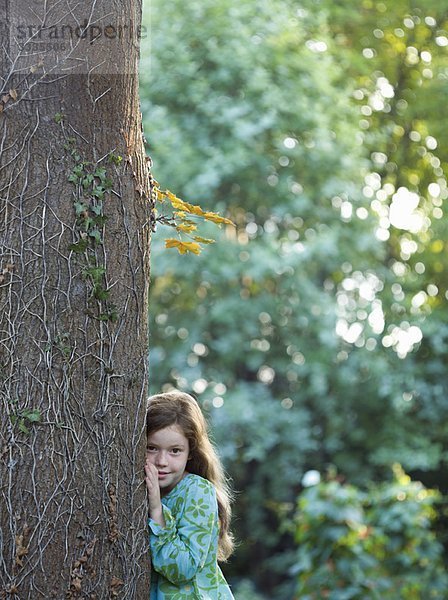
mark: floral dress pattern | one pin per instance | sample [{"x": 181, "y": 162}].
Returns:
[{"x": 184, "y": 552}]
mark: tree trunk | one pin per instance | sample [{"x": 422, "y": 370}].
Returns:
[{"x": 75, "y": 215}]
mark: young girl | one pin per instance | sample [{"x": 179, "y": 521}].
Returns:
[{"x": 189, "y": 503}]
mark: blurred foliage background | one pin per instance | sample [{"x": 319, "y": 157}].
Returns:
[{"x": 315, "y": 332}]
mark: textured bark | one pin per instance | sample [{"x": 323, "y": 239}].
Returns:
[{"x": 73, "y": 314}]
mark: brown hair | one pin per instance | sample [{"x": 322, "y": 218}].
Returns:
[{"x": 178, "y": 408}]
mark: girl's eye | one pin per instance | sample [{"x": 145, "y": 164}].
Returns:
[
  {"x": 176, "y": 450},
  {"x": 151, "y": 449}
]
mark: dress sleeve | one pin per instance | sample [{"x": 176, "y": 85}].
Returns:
[{"x": 180, "y": 549}]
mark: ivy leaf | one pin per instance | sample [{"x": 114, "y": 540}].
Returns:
[
  {"x": 33, "y": 416},
  {"x": 98, "y": 209},
  {"x": 87, "y": 181},
  {"x": 100, "y": 293},
  {"x": 87, "y": 223},
  {"x": 100, "y": 173},
  {"x": 78, "y": 170},
  {"x": 98, "y": 191},
  {"x": 95, "y": 234},
  {"x": 115, "y": 158},
  {"x": 73, "y": 178},
  {"x": 111, "y": 315},
  {"x": 23, "y": 428},
  {"x": 80, "y": 246},
  {"x": 95, "y": 272},
  {"x": 80, "y": 208},
  {"x": 99, "y": 221}
]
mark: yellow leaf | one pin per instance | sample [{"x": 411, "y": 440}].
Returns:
[
  {"x": 186, "y": 228},
  {"x": 175, "y": 201},
  {"x": 160, "y": 196},
  {"x": 195, "y": 209},
  {"x": 179, "y": 204},
  {"x": 183, "y": 247},
  {"x": 203, "y": 240},
  {"x": 215, "y": 218}
]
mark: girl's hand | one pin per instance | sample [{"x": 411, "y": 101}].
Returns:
[{"x": 152, "y": 485}]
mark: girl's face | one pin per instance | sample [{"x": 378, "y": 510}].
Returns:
[{"x": 168, "y": 450}]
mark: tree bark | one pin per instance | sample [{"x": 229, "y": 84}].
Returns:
[{"x": 75, "y": 220}]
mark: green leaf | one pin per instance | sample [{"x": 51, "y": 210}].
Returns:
[
  {"x": 95, "y": 272},
  {"x": 100, "y": 293},
  {"x": 79, "y": 247},
  {"x": 100, "y": 173},
  {"x": 23, "y": 427},
  {"x": 98, "y": 192},
  {"x": 86, "y": 223},
  {"x": 115, "y": 158},
  {"x": 80, "y": 208},
  {"x": 87, "y": 181},
  {"x": 96, "y": 236},
  {"x": 33, "y": 416},
  {"x": 97, "y": 209},
  {"x": 100, "y": 220}
]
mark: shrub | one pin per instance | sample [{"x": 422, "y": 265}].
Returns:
[{"x": 377, "y": 543}]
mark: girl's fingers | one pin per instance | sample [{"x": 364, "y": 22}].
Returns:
[
  {"x": 152, "y": 476},
  {"x": 150, "y": 479},
  {"x": 152, "y": 482},
  {"x": 150, "y": 468}
]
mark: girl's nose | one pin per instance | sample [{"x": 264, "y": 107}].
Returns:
[{"x": 161, "y": 459}]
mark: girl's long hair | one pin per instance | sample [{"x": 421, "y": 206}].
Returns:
[{"x": 178, "y": 408}]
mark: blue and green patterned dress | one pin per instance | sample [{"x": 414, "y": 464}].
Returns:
[{"x": 184, "y": 551}]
